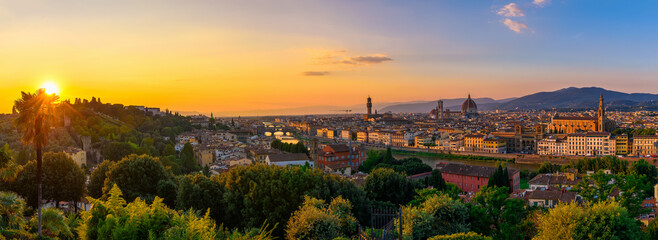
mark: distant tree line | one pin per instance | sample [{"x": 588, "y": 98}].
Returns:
[
  {"x": 289, "y": 147},
  {"x": 634, "y": 132},
  {"x": 385, "y": 159}
]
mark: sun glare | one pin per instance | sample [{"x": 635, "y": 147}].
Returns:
[{"x": 51, "y": 88}]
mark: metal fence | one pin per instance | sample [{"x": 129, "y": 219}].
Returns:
[{"x": 385, "y": 224}]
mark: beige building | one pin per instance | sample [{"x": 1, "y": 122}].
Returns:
[
  {"x": 397, "y": 139},
  {"x": 204, "y": 155},
  {"x": 362, "y": 136},
  {"x": 553, "y": 146},
  {"x": 474, "y": 142},
  {"x": 78, "y": 155},
  {"x": 645, "y": 145},
  {"x": 591, "y": 144},
  {"x": 550, "y": 198},
  {"x": 346, "y": 134}
]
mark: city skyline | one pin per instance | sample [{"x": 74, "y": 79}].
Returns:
[{"x": 210, "y": 56}]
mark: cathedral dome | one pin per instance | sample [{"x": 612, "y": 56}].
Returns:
[{"x": 469, "y": 106}]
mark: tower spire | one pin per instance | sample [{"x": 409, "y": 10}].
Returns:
[{"x": 601, "y": 114}]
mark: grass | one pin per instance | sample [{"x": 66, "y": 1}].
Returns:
[
  {"x": 453, "y": 156},
  {"x": 524, "y": 184}
]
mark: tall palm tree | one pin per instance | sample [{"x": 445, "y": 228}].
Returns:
[{"x": 37, "y": 112}]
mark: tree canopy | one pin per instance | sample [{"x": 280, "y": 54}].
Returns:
[
  {"x": 138, "y": 176},
  {"x": 317, "y": 220},
  {"x": 602, "y": 220},
  {"x": 386, "y": 185},
  {"x": 64, "y": 180}
]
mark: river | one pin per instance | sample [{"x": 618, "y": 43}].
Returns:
[{"x": 432, "y": 161}]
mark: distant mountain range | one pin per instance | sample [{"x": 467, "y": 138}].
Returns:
[
  {"x": 587, "y": 97},
  {"x": 567, "y": 98},
  {"x": 563, "y": 99}
]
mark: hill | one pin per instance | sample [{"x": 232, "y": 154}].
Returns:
[{"x": 587, "y": 97}]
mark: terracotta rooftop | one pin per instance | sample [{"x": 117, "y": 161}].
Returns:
[
  {"x": 339, "y": 147},
  {"x": 283, "y": 157},
  {"x": 548, "y": 179},
  {"x": 575, "y": 118},
  {"x": 562, "y": 196}
]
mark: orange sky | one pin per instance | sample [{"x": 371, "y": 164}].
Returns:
[{"x": 229, "y": 56}]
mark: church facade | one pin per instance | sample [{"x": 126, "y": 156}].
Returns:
[{"x": 599, "y": 123}]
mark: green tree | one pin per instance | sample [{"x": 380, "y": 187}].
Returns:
[
  {"x": 436, "y": 180},
  {"x": 169, "y": 150},
  {"x": 197, "y": 191},
  {"x": 547, "y": 167},
  {"x": 492, "y": 213},
  {"x": 37, "y": 113},
  {"x": 115, "y": 151},
  {"x": 603, "y": 220},
  {"x": 373, "y": 158},
  {"x": 280, "y": 192},
  {"x": 642, "y": 167},
  {"x": 438, "y": 214},
  {"x": 317, "y": 220},
  {"x": 11, "y": 211},
  {"x": 386, "y": 185},
  {"x": 138, "y": 176},
  {"x": 461, "y": 236},
  {"x": 54, "y": 224},
  {"x": 388, "y": 156},
  {"x": 172, "y": 164},
  {"x": 600, "y": 187},
  {"x": 114, "y": 219},
  {"x": 500, "y": 178},
  {"x": 64, "y": 180},
  {"x": 409, "y": 166},
  {"x": 651, "y": 230},
  {"x": 167, "y": 190},
  {"x": 8, "y": 168},
  {"x": 97, "y": 179},
  {"x": 187, "y": 157}
]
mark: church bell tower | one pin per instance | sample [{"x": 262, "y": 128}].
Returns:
[{"x": 601, "y": 115}]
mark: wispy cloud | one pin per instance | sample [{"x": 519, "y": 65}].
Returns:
[
  {"x": 541, "y": 3},
  {"x": 371, "y": 59},
  {"x": 511, "y": 10},
  {"x": 314, "y": 73},
  {"x": 515, "y": 26},
  {"x": 341, "y": 57}
]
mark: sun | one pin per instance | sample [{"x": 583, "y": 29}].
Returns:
[{"x": 50, "y": 87}]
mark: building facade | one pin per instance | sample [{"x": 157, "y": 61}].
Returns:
[
  {"x": 591, "y": 144},
  {"x": 645, "y": 145},
  {"x": 340, "y": 154}
]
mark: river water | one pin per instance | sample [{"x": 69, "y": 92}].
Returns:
[{"x": 432, "y": 161}]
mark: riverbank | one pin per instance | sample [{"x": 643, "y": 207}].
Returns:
[
  {"x": 448, "y": 156},
  {"x": 432, "y": 161}
]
